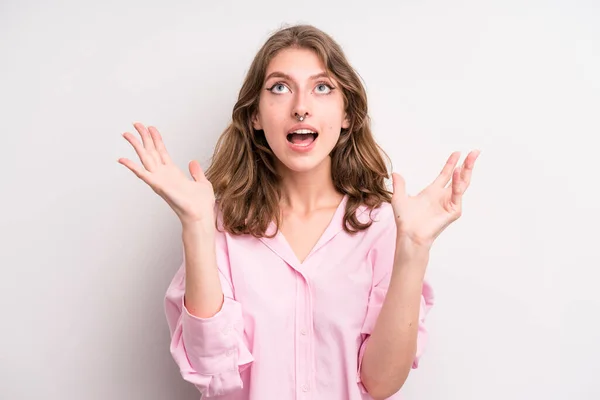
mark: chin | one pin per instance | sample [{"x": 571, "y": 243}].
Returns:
[
  {"x": 301, "y": 166},
  {"x": 305, "y": 164}
]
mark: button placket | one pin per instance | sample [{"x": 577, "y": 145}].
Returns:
[{"x": 303, "y": 345}]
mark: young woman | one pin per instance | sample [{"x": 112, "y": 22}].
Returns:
[{"x": 303, "y": 276}]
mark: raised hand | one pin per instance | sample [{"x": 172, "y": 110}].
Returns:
[
  {"x": 421, "y": 218},
  {"x": 192, "y": 199}
]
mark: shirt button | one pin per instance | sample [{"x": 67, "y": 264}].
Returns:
[
  {"x": 305, "y": 388},
  {"x": 303, "y": 332},
  {"x": 229, "y": 352}
]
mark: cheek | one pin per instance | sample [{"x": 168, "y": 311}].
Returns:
[
  {"x": 272, "y": 112},
  {"x": 335, "y": 111}
]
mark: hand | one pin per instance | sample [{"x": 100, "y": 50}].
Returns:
[
  {"x": 192, "y": 199},
  {"x": 421, "y": 218}
]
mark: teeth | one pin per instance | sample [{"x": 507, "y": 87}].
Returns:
[{"x": 303, "y": 131}]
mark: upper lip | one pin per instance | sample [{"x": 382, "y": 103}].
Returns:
[{"x": 301, "y": 126}]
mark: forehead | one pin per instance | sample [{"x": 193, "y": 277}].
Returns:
[{"x": 297, "y": 63}]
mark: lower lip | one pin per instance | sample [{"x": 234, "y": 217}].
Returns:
[{"x": 302, "y": 149}]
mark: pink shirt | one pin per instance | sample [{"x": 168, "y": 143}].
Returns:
[{"x": 290, "y": 330}]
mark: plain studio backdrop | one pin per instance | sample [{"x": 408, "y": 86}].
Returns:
[{"x": 88, "y": 250}]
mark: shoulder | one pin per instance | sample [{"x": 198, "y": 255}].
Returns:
[
  {"x": 384, "y": 212},
  {"x": 382, "y": 218}
]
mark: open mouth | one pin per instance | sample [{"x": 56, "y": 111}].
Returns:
[{"x": 302, "y": 137}]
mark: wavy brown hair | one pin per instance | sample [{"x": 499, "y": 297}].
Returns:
[{"x": 242, "y": 171}]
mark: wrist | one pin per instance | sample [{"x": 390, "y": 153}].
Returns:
[
  {"x": 411, "y": 254},
  {"x": 198, "y": 228},
  {"x": 414, "y": 241}
]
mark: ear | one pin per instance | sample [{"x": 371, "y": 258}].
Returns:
[
  {"x": 346, "y": 122},
  {"x": 256, "y": 122}
]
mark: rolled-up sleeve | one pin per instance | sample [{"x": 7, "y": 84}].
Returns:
[
  {"x": 383, "y": 260},
  {"x": 210, "y": 352}
]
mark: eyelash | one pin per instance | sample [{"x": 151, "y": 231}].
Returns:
[{"x": 331, "y": 88}]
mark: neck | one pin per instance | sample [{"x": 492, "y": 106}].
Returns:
[{"x": 304, "y": 192}]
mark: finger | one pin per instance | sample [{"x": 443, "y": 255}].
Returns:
[
  {"x": 145, "y": 158},
  {"x": 446, "y": 174},
  {"x": 457, "y": 189},
  {"x": 159, "y": 145},
  {"x": 135, "y": 168},
  {"x": 196, "y": 171},
  {"x": 147, "y": 140},
  {"x": 467, "y": 168}
]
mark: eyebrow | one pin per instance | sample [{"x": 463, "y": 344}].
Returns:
[{"x": 278, "y": 74}]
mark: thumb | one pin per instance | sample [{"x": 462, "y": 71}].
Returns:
[
  {"x": 399, "y": 195},
  {"x": 399, "y": 185},
  {"x": 196, "y": 170}
]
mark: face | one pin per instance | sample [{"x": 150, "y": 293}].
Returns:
[{"x": 296, "y": 85}]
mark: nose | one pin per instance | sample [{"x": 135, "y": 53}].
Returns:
[
  {"x": 300, "y": 111},
  {"x": 300, "y": 117}
]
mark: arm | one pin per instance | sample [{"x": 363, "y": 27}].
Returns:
[
  {"x": 203, "y": 293},
  {"x": 398, "y": 306},
  {"x": 419, "y": 221},
  {"x": 205, "y": 320}
]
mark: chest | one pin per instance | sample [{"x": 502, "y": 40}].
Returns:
[
  {"x": 329, "y": 290},
  {"x": 303, "y": 232}
]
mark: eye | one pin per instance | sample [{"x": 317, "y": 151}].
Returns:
[
  {"x": 324, "y": 88},
  {"x": 278, "y": 88}
]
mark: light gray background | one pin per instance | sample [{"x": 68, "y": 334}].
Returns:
[{"x": 88, "y": 250}]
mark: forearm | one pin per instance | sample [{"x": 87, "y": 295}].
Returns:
[
  {"x": 391, "y": 349},
  {"x": 203, "y": 293},
  {"x": 207, "y": 338}
]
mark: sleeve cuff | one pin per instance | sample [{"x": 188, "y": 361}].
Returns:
[
  {"x": 361, "y": 353},
  {"x": 215, "y": 345}
]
